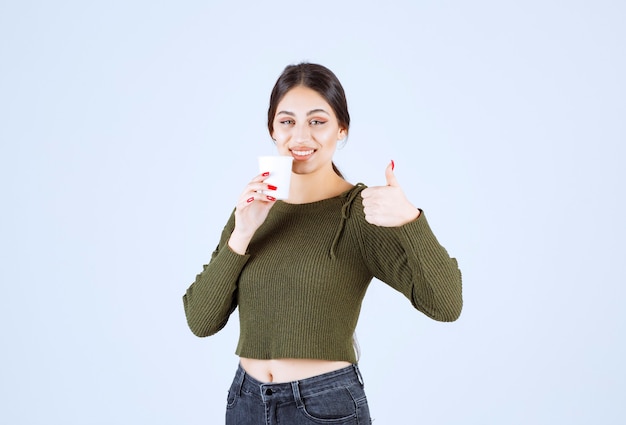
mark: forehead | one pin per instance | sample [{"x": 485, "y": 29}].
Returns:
[{"x": 303, "y": 99}]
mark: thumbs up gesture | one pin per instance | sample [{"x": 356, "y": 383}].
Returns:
[{"x": 387, "y": 206}]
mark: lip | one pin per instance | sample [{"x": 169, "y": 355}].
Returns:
[{"x": 302, "y": 154}]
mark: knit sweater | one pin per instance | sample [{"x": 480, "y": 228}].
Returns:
[{"x": 300, "y": 285}]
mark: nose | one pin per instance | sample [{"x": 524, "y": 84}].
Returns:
[{"x": 302, "y": 133}]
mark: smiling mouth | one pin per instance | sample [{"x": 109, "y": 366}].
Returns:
[{"x": 302, "y": 153}]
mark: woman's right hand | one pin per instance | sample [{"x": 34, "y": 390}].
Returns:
[{"x": 251, "y": 211}]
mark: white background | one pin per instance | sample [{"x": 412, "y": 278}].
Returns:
[{"x": 129, "y": 128}]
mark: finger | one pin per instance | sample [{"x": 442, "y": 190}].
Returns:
[
  {"x": 260, "y": 187},
  {"x": 390, "y": 176},
  {"x": 257, "y": 184},
  {"x": 370, "y": 192},
  {"x": 261, "y": 177},
  {"x": 257, "y": 196},
  {"x": 371, "y": 219},
  {"x": 373, "y": 202},
  {"x": 247, "y": 198}
]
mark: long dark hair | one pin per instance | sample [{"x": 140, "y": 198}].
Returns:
[{"x": 318, "y": 78}]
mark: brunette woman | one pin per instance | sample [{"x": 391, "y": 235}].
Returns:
[{"x": 298, "y": 269}]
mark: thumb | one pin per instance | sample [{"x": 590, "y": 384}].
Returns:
[{"x": 391, "y": 178}]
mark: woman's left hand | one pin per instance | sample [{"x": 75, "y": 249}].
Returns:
[{"x": 387, "y": 206}]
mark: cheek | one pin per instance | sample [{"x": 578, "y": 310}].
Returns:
[
  {"x": 280, "y": 133},
  {"x": 328, "y": 135}
]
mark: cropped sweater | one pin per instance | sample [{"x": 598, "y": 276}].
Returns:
[{"x": 300, "y": 285}]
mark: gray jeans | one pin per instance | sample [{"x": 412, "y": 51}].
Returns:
[{"x": 334, "y": 398}]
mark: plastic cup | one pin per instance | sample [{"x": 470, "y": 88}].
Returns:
[{"x": 279, "y": 168}]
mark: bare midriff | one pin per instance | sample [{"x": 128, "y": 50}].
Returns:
[{"x": 288, "y": 370}]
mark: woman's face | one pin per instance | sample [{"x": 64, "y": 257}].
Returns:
[{"x": 306, "y": 128}]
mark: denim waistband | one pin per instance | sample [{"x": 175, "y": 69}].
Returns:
[{"x": 307, "y": 387}]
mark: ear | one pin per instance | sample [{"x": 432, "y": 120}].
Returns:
[{"x": 342, "y": 134}]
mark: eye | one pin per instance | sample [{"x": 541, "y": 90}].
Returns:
[
  {"x": 286, "y": 122},
  {"x": 317, "y": 122}
]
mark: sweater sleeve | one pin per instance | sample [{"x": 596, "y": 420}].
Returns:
[
  {"x": 211, "y": 299},
  {"x": 410, "y": 259}
]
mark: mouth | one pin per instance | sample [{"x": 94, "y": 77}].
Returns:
[{"x": 302, "y": 154}]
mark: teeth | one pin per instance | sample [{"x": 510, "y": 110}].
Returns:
[{"x": 304, "y": 153}]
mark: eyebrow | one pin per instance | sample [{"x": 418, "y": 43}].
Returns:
[{"x": 311, "y": 112}]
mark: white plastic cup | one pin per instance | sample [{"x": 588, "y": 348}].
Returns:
[{"x": 279, "y": 168}]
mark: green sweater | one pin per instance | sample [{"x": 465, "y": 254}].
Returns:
[{"x": 300, "y": 286}]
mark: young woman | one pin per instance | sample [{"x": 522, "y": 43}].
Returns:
[{"x": 298, "y": 269}]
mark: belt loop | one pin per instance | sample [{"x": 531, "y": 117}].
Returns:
[
  {"x": 241, "y": 374},
  {"x": 358, "y": 374},
  {"x": 296, "y": 394}
]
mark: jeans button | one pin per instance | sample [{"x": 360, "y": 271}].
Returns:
[{"x": 269, "y": 391}]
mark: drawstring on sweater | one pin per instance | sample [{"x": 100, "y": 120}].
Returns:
[{"x": 345, "y": 214}]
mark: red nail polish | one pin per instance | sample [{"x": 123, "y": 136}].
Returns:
[
  {"x": 393, "y": 165},
  {"x": 271, "y": 198},
  {"x": 250, "y": 199},
  {"x": 265, "y": 174},
  {"x": 271, "y": 187}
]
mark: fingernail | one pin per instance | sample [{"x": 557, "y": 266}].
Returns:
[
  {"x": 271, "y": 198},
  {"x": 265, "y": 174},
  {"x": 271, "y": 187},
  {"x": 250, "y": 199},
  {"x": 393, "y": 165}
]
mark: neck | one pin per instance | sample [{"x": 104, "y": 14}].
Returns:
[{"x": 316, "y": 186}]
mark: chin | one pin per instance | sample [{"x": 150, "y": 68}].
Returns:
[{"x": 301, "y": 169}]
